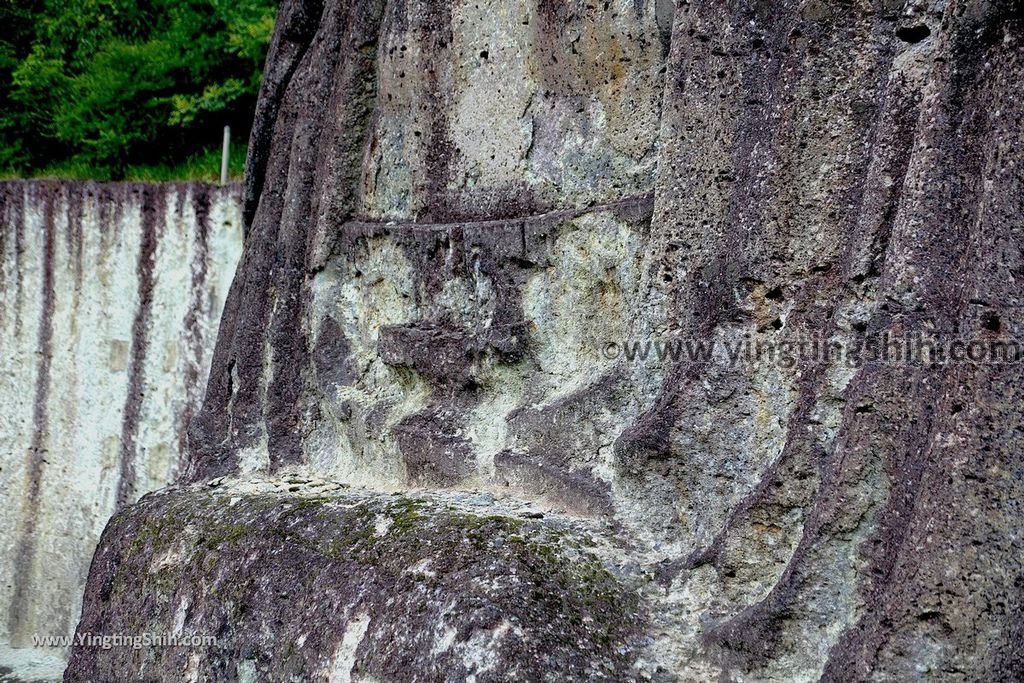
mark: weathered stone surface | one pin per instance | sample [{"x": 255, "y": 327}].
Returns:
[
  {"x": 412, "y": 312},
  {"x": 459, "y": 342},
  {"x": 109, "y": 300},
  {"x": 845, "y": 523},
  {"x": 407, "y": 588}
]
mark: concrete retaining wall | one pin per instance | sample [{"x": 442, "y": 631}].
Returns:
[{"x": 110, "y": 296}]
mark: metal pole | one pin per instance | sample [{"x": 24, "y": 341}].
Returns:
[{"x": 224, "y": 156}]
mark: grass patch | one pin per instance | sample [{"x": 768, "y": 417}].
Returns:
[{"x": 203, "y": 166}]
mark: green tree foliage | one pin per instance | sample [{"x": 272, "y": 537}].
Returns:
[{"x": 108, "y": 84}]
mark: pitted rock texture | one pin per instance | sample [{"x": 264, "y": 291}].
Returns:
[
  {"x": 109, "y": 301},
  {"x": 408, "y": 588},
  {"x": 444, "y": 352},
  {"x": 453, "y": 210}
]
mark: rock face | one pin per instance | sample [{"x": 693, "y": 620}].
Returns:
[
  {"x": 461, "y": 214},
  {"x": 110, "y": 299},
  {"x": 411, "y": 588}
]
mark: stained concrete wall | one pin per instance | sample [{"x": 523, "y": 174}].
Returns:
[{"x": 110, "y": 296}]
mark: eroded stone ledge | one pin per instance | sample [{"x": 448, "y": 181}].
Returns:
[{"x": 314, "y": 581}]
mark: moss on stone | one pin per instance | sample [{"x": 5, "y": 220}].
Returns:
[{"x": 264, "y": 570}]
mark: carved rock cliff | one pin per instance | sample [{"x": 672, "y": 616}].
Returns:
[{"x": 461, "y": 214}]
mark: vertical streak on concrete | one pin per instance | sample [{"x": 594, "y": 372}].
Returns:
[
  {"x": 5, "y": 231},
  {"x": 26, "y": 552},
  {"x": 153, "y": 205},
  {"x": 104, "y": 196},
  {"x": 197, "y": 312},
  {"x": 18, "y": 220},
  {"x": 75, "y": 206}
]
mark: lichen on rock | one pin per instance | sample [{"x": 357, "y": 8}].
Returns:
[{"x": 283, "y": 576}]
